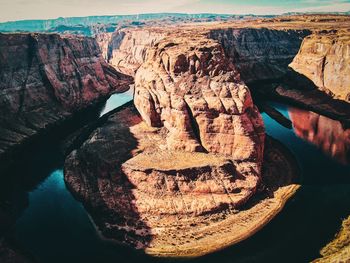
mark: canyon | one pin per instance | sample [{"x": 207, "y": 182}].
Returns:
[
  {"x": 45, "y": 80},
  {"x": 187, "y": 169},
  {"x": 195, "y": 146}
]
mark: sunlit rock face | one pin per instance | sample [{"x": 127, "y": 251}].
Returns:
[
  {"x": 325, "y": 59},
  {"x": 327, "y": 134},
  {"x": 45, "y": 78},
  {"x": 195, "y": 92}
]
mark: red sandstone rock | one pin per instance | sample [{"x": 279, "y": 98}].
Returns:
[
  {"x": 45, "y": 78},
  {"x": 325, "y": 59},
  {"x": 204, "y": 107},
  {"x": 125, "y": 49}
]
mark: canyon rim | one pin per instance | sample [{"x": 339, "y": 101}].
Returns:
[{"x": 226, "y": 133}]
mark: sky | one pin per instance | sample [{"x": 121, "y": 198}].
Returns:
[{"x": 11, "y": 10}]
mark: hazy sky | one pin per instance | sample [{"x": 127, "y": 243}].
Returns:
[{"x": 43, "y": 9}]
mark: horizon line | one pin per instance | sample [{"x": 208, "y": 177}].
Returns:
[{"x": 183, "y": 13}]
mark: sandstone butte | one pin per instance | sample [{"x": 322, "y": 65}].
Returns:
[
  {"x": 45, "y": 80},
  {"x": 188, "y": 169}
]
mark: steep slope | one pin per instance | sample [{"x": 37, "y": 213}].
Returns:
[
  {"x": 324, "y": 57},
  {"x": 125, "y": 49},
  {"x": 44, "y": 79},
  {"x": 260, "y": 53}
]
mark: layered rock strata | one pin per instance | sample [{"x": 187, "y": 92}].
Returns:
[
  {"x": 324, "y": 58},
  {"x": 173, "y": 174},
  {"x": 194, "y": 92},
  {"x": 260, "y": 53},
  {"x": 45, "y": 79},
  {"x": 125, "y": 49},
  {"x": 172, "y": 203}
]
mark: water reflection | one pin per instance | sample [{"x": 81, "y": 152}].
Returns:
[
  {"x": 55, "y": 228},
  {"x": 117, "y": 100},
  {"x": 327, "y": 134}
]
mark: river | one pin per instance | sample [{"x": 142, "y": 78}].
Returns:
[{"x": 54, "y": 227}]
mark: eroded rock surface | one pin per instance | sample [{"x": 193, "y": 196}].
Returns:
[
  {"x": 45, "y": 79},
  {"x": 125, "y": 49},
  {"x": 172, "y": 175},
  {"x": 193, "y": 90},
  {"x": 260, "y": 53},
  {"x": 324, "y": 58},
  {"x": 172, "y": 203}
]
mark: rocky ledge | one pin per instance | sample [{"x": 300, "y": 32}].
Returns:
[{"x": 45, "y": 80}]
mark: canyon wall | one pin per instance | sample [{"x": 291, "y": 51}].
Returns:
[
  {"x": 257, "y": 53},
  {"x": 45, "y": 78},
  {"x": 125, "y": 49},
  {"x": 260, "y": 53},
  {"x": 324, "y": 57}
]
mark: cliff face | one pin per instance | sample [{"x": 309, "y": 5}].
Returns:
[
  {"x": 194, "y": 91},
  {"x": 125, "y": 49},
  {"x": 324, "y": 58},
  {"x": 44, "y": 79},
  {"x": 260, "y": 53},
  {"x": 257, "y": 53}
]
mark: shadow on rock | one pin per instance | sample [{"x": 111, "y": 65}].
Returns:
[{"x": 93, "y": 175}]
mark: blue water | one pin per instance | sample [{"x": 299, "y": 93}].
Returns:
[
  {"x": 55, "y": 227},
  {"x": 117, "y": 100},
  {"x": 317, "y": 166}
]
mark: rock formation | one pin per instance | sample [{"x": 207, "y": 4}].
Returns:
[
  {"x": 173, "y": 203},
  {"x": 125, "y": 49},
  {"x": 324, "y": 58},
  {"x": 175, "y": 175},
  {"x": 47, "y": 78},
  {"x": 188, "y": 169},
  {"x": 195, "y": 92},
  {"x": 260, "y": 53}
]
